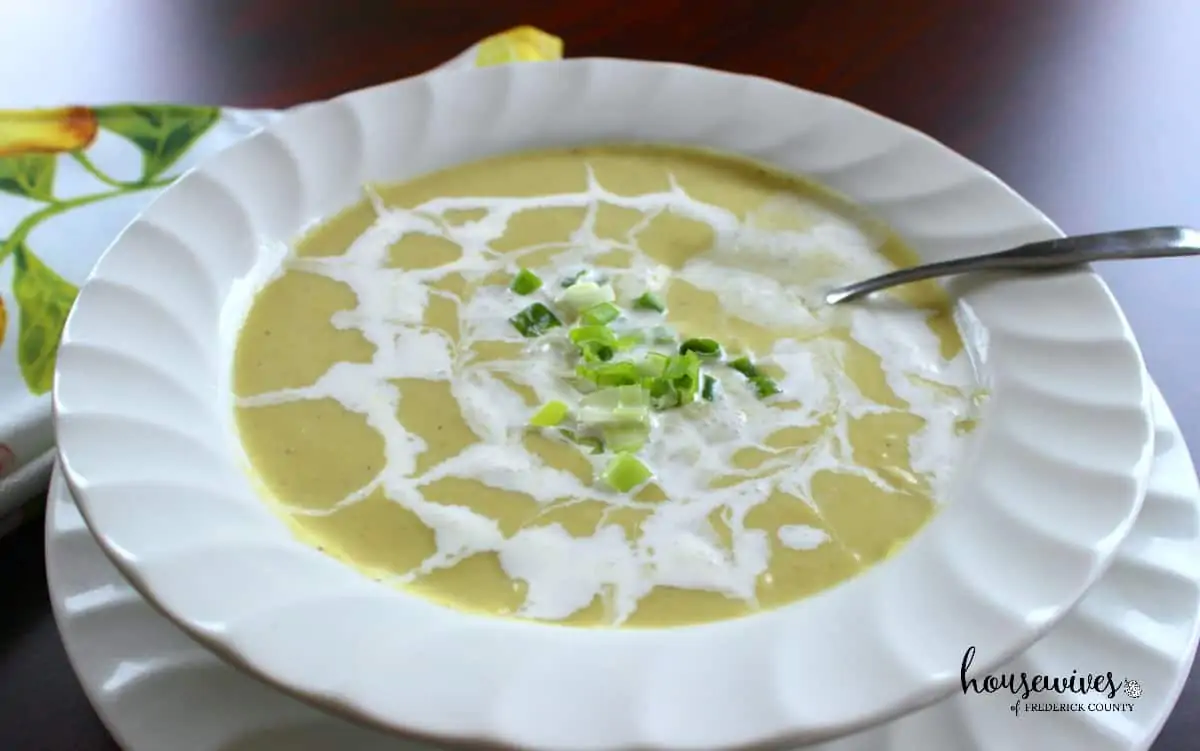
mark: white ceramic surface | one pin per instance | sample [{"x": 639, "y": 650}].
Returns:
[
  {"x": 156, "y": 689},
  {"x": 148, "y": 448}
]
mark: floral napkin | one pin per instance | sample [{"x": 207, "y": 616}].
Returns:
[{"x": 71, "y": 178}]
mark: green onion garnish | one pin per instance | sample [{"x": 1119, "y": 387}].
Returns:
[
  {"x": 583, "y": 295},
  {"x": 683, "y": 371},
  {"x": 600, "y": 314},
  {"x": 551, "y": 414},
  {"x": 619, "y": 405},
  {"x": 611, "y": 374},
  {"x": 597, "y": 352},
  {"x": 745, "y": 367},
  {"x": 595, "y": 445},
  {"x": 622, "y": 439},
  {"x": 708, "y": 390},
  {"x": 764, "y": 386},
  {"x": 630, "y": 340},
  {"x": 655, "y": 364},
  {"x": 705, "y": 348},
  {"x": 593, "y": 333},
  {"x": 678, "y": 384},
  {"x": 624, "y": 473},
  {"x": 568, "y": 281},
  {"x": 662, "y": 394},
  {"x": 650, "y": 301},
  {"x": 596, "y": 343},
  {"x": 525, "y": 282},
  {"x": 534, "y": 321}
]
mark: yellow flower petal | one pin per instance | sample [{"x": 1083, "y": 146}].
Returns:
[
  {"x": 47, "y": 131},
  {"x": 522, "y": 44}
]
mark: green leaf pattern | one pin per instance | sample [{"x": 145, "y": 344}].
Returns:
[
  {"x": 42, "y": 298},
  {"x": 29, "y": 175},
  {"x": 43, "y": 301},
  {"x": 161, "y": 133}
]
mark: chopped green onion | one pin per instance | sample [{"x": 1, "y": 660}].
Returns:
[
  {"x": 551, "y": 414},
  {"x": 678, "y": 384},
  {"x": 764, "y": 386},
  {"x": 592, "y": 444},
  {"x": 596, "y": 352},
  {"x": 596, "y": 343},
  {"x": 654, "y": 364},
  {"x": 708, "y": 391},
  {"x": 625, "y": 438},
  {"x": 705, "y": 348},
  {"x": 583, "y": 295},
  {"x": 595, "y": 445},
  {"x": 650, "y": 301},
  {"x": 534, "y": 320},
  {"x": 598, "y": 315},
  {"x": 662, "y": 394},
  {"x": 618, "y": 405},
  {"x": 611, "y": 374},
  {"x": 683, "y": 371},
  {"x": 625, "y": 472},
  {"x": 568, "y": 281},
  {"x": 745, "y": 367},
  {"x": 618, "y": 377},
  {"x": 593, "y": 333},
  {"x": 525, "y": 282}
]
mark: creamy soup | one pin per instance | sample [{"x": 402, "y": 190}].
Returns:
[{"x": 598, "y": 386}]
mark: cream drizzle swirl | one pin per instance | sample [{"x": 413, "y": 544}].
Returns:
[{"x": 689, "y": 448}]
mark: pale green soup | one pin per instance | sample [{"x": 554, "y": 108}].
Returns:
[{"x": 385, "y": 399}]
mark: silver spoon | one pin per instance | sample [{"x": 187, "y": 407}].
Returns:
[{"x": 1156, "y": 242}]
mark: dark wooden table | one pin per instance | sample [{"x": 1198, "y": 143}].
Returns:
[{"x": 1089, "y": 108}]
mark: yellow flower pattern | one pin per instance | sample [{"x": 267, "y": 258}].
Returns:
[
  {"x": 38, "y": 147},
  {"x": 46, "y": 131},
  {"x": 522, "y": 44},
  {"x": 32, "y": 142}
]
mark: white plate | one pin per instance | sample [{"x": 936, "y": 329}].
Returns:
[
  {"x": 156, "y": 689},
  {"x": 148, "y": 448}
]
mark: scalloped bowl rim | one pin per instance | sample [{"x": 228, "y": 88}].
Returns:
[{"x": 236, "y": 579}]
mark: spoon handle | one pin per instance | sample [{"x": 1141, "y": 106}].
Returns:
[{"x": 1156, "y": 242}]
